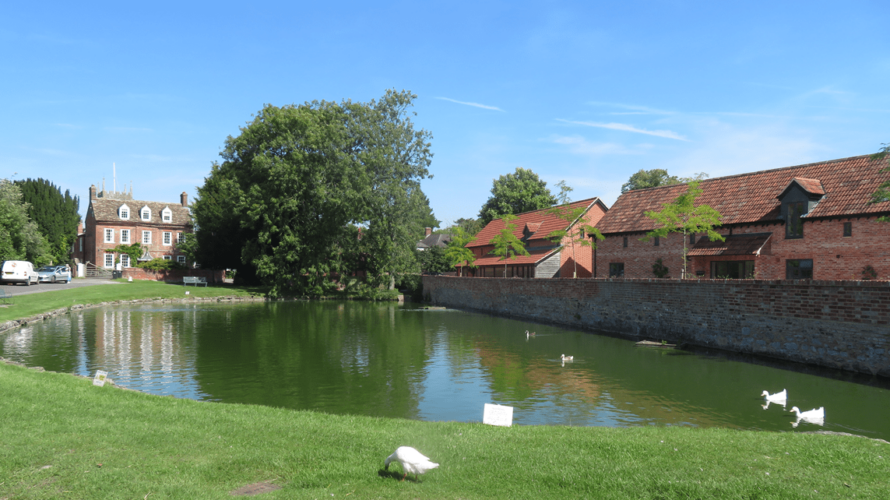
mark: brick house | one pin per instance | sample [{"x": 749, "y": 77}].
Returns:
[
  {"x": 811, "y": 221},
  {"x": 545, "y": 259},
  {"x": 115, "y": 218}
]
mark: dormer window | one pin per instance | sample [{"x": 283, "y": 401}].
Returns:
[
  {"x": 167, "y": 215},
  {"x": 145, "y": 213},
  {"x": 798, "y": 199},
  {"x": 124, "y": 212}
]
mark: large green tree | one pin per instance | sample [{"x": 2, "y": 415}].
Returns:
[
  {"x": 506, "y": 245},
  {"x": 292, "y": 187},
  {"x": 683, "y": 216},
  {"x": 882, "y": 194},
  {"x": 20, "y": 238},
  {"x": 55, "y": 214},
  {"x": 657, "y": 177},
  {"x": 521, "y": 191}
]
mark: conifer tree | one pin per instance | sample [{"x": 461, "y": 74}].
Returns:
[{"x": 55, "y": 214}]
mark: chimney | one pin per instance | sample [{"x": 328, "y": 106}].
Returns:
[
  {"x": 184, "y": 199},
  {"x": 93, "y": 192},
  {"x": 429, "y": 231},
  {"x": 80, "y": 228}
]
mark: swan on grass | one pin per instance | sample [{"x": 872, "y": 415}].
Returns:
[
  {"x": 413, "y": 461},
  {"x": 778, "y": 398},
  {"x": 527, "y": 334},
  {"x": 814, "y": 416}
]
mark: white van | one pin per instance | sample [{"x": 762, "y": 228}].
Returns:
[{"x": 18, "y": 271}]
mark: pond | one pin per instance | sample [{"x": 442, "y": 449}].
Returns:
[{"x": 405, "y": 361}]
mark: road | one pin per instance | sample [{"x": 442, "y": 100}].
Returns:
[{"x": 16, "y": 289}]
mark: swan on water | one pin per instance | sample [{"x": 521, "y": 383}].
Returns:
[
  {"x": 527, "y": 334},
  {"x": 567, "y": 358},
  {"x": 413, "y": 461},
  {"x": 813, "y": 416},
  {"x": 779, "y": 398}
]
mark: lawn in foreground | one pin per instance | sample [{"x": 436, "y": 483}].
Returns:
[
  {"x": 62, "y": 437},
  {"x": 24, "y": 306}
]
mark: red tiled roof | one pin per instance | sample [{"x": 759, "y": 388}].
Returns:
[
  {"x": 738, "y": 244},
  {"x": 746, "y": 198},
  {"x": 538, "y": 221},
  {"x": 533, "y": 258}
]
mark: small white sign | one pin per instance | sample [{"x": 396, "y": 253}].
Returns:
[
  {"x": 100, "y": 378},
  {"x": 498, "y": 415}
]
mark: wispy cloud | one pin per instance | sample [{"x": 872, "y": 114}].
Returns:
[
  {"x": 632, "y": 109},
  {"x": 581, "y": 146},
  {"x": 667, "y": 134},
  {"x": 474, "y": 104}
]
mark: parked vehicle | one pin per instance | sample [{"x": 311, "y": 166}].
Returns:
[
  {"x": 54, "y": 274},
  {"x": 18, "y": 271}
]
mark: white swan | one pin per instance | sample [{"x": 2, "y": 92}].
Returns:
[
  {"x": 567, "y": 358},
  {"x": 813, "y": 416},
  {"x": 413, "y": 461},
  {"x": 527, "y": 335},
  {"x": 779, "y": 398}
]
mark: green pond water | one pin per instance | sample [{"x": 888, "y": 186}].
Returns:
[{"x": 390, "y": 360}]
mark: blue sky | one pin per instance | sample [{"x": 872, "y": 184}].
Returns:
[{"x": 586, "y": 92}]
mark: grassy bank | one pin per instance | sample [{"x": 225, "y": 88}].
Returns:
[
  {"x": 62, "y": 437},
  {"x": 24, "y": 306}
]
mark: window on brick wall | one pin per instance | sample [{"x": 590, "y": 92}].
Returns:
[
  {"x": 125, "y": 260},
  {"x": 732, "y": 269},
  {"x": 657, "y": 242},
  {"x": 109, "y": 236},
  {"x": 793, "y": 224},
  {"x": 168, "y": 238},
  {"x": 125, "y": 236},
  {"x": 167, "y": 257},
  {"x": 692, "y": 239},
  {"x": 799, "y": 269},
  {"x": 146, "y": 237},
  {"x": 180, "y": 238},
  {"x": 616, "y": 270},
  {"x": 848, "y": 229},
  {"x": 625, "y": 242},
  {"x": 109, "y": 260},
  {"x": 180, "y": 259}
]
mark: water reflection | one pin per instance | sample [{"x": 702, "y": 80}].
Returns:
[{"x": 392, "y": 361}]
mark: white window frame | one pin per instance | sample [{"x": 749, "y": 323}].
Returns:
[
  {"x": 109, "y": 261},
  {"x": 180, "y": 259},
  {"x": 125, "y": 236},
  {"x": 109, "y": 235},
  {"x": 167, "y": 238},
  {"x": 166, "y": 215},
  {"x": 124, "y": 212},
  {"x": 146, "y": 237},
  {"x": 125, "y": 260},
  {"x": 180, "y": 238},
  {"x": 143, "y": 212},
  {"x": 168, "y": 257}
]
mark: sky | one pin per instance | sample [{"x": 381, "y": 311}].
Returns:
[{"x": 586, "y": 92}]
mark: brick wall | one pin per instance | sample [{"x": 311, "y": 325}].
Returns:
[
  {"x": 173, "y": 275},
  {"x": 582, "y": 254},
  {"x": 834, "y": 256},
  {"x": 838, "y": 324}
]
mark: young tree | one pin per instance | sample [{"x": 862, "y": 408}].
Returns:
[
  {"x": 20, "y": 238},
  {"x": 577, "y": 231},
  {"x": 511, "y": 194},
  {"x": 682, "y": 216},
  {"x": 883, "y": 192},
  {"x": 506, "y": 244},
  {"x": 457, "y": 252}
]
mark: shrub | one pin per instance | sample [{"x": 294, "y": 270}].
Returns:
[
  {"x": 659, "y": 269},
  {"x": 869, "y": 273},
  {"x": 160, "y": 265}
]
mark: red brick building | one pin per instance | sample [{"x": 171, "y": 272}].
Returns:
[
  {"x": 115, "y": 218},
  {"x": 806, "y": 222},
  {"x": 547, "y": 259}
]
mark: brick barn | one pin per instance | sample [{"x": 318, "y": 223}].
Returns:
[
  {"x": 811, "y": 221},
  {"x": 547, "y": 259},
  {"x": 115, "y": 218}
]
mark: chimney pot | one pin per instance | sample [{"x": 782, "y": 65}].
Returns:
[
  {"x": 184, "y": 199},
  {"x": 429, "y": 231},
  {"x": 93, "y": 192}
]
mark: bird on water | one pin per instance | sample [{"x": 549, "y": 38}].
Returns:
[
  {"x": 413, "y": 461},
  {"x": 527, "y": 334},
  {"x": 567, "y": 358}
]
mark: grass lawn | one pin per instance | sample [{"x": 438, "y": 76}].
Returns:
[
  {"x": 24, "y": 306},
  {"x": 62, "y": 437}
]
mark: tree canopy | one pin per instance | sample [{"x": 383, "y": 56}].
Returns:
[
  {"x": 284, "y": 203},
  {"x": 882, "y": 194},
  {"x": 55, "y": 214},
  {"x": 682, "y": 216},
  {"x": 521, "y": 191},
  {"x": 657, "y": 177},
  {"x": 20, "y": 238}
]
